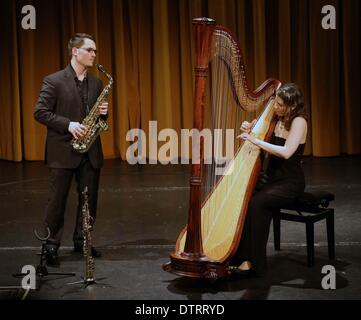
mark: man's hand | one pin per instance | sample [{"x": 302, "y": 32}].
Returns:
[
  {"x": 77, "y": 130},
  {"x": 103, "y": 108}
]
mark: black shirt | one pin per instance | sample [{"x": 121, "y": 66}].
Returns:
[{"x": 82, "y": 87}]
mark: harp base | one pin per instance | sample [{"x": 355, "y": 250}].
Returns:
[{"x": 192, "y": 266}]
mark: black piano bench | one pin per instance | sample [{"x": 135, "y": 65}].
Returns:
[{"x": 310, "y": 208}]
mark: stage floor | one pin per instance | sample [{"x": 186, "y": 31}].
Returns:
[{"x": 141, "y": 211}]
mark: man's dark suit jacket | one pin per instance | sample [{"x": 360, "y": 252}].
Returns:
[{"x": 59, "y": 103}]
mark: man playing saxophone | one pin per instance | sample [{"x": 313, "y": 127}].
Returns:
[{"x": 65, "y": 99}]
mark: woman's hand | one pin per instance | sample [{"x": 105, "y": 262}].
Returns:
[
  {"x": 294, "y": 139},
  {"x": 247, "y": 137},
  {"x": 247, "y": 126}
]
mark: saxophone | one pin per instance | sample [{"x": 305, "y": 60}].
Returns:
[
  {"x": 93, "y": 121},
  {"x": 87, "y": 244}
]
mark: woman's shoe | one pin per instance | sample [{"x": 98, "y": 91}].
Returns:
[{"x": 238, "y": 273}]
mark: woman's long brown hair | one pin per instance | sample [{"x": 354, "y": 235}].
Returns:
[{"x": 292, "y": 97}]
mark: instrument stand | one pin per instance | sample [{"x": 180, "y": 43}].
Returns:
[
  {"x": 87, "y": 282},
  {"x": 41, "y": 270}
]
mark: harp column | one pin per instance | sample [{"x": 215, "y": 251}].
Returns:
[{"x": 203, "y": 31}]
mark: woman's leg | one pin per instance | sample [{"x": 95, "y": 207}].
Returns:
[{"x": 253, "y": 244}]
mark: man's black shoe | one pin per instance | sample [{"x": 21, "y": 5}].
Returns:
[
  {"x": 95, "y": 253},
  {"x": 52, "y": 258}
]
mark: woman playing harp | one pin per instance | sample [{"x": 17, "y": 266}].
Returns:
[
  {"x": 218, "y": 203},
  {"x": 285, "y": 179}
]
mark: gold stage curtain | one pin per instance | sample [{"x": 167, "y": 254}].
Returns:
[{"x": 147, "y": 45}]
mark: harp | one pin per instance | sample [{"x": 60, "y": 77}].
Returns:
[{"x": 218, "y": 203}]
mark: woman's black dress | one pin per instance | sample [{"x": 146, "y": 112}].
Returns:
[{"x": 285, "y": 183}]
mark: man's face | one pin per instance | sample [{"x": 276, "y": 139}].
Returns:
[{"x": 85, "y": 55}]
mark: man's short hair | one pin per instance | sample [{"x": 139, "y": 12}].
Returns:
[{"x": 77, "y": 41}]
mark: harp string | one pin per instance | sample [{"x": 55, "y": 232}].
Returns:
[{"x": 225, "y": 111}]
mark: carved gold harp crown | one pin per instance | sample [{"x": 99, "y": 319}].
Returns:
[{"x": 218, "y": 204}]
